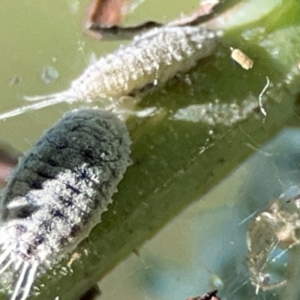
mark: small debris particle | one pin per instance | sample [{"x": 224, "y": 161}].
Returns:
[
  {"x": 262, "y": 110},
  {"x": 74, "y": 6},
  {"x": 216, "y": 281},
  {"x": 74, "y": 256},
  {"x": 16, "y": 79},
  {"x": 241, "y": 58},
  {"x": 49, "y": 74}
]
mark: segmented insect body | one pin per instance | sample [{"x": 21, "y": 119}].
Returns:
[
  {"x": 59, "y": 191},
  {"x": 151, "y": 59}
]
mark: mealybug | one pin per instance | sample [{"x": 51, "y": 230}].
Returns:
[
  {"x": 150, "y": 60},
  {"x": 58, "y": 192}
]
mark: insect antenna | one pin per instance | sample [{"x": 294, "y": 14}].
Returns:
[
  {"x": 4, "y": 256},
  {"x": 46, "y": 101},
  {"x": 51, "y": 97},
  {"x": 10, "y": 261},
  {"x": 18, "y": 264},
  {"x": 25, "y": 281}
]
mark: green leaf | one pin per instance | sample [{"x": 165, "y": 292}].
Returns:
[{"x": 176, "y": 161}]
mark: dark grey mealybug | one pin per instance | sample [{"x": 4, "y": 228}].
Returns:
[
  {"x": 150, "y": 59},
  {"x": 58, "y": 192}
]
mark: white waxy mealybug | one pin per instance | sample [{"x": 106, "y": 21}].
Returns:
[
  {"x": 214, "y": 113},
  {"x": 58, "y": 192},
  {"x": 150, "y": 59}
]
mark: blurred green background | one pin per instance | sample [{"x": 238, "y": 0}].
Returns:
[{"x": 44, "y": 48}]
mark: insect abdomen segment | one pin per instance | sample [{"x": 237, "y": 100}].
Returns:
[{"x": 59, "y": 191}]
